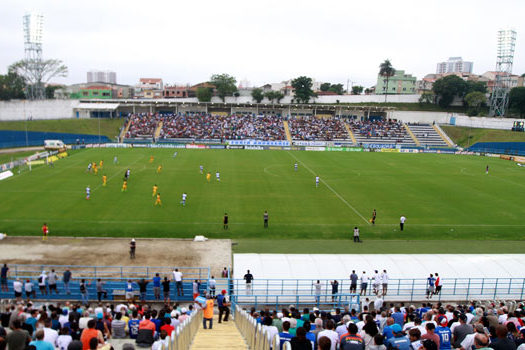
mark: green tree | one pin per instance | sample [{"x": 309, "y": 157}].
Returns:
[
  {"x": 325, "y": 87},
  {"x": 50, "y": 90},
  {"x": 274, "y": 95},
  {"x": 517, "y": 100},
  {"x": 357, "y": 90},
  {"x": 426, "y": 97},
  {"x": 257, "y": 95},
  {"x": 368, "y": 91},
  {"x": 472, "y": 86},
  {"x": 303, "y": 89},
  {"x": 474, "y": 100},
  {"x": 337, "y": 88},
  {"x": 386, "y": 71},
  {"x": 12, "y": 86},
  {"x": 225, "y": 85},
  {"x": 38, "y": 73},
  {"x": 204, "y": 94},
  {"x": 447, "y": 88}
]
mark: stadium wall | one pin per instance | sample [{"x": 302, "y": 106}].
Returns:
[
  {"x": 45, "y": 109},
  {"x": 10, "y": 138}
]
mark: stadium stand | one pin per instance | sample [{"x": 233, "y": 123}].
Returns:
[
  {"x": 317, "y": 129},
  {"x": 380, "y": 132},
  {"x": 142, "y": 125},
  {"x": 427, "y": 135},
  {"x": 511, "y": 148}
]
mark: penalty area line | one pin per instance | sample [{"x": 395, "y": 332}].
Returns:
[{"x": 331, "y": 189}]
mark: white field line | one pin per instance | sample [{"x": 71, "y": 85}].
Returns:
[
  {"x": 118, "y": 172},
  {"x": 331, "y": 189}
]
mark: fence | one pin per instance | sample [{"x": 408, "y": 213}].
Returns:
[
  {"x": 398, "y": 289},
  {"x": 182, "y": 337},
  {"x": 10, "y": 138},
  {"x": 277, "y": 302},
  {"x": 257, "y": 338},
  {"x": 511, "y": 148}
]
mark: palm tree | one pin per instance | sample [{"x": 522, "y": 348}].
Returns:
[{"x": 386, "y": 70}]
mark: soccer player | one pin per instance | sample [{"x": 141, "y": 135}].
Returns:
[
  {"x": 95, "y": 170},
  {"x": 115, "y": 160},
  {"x": 175, "y": 154},
  {"x": 104, "y": 180},
  {"x": 225, "y": 221},
  {"x": 218, "y": 176},
  {"x": 45, "y": 231},
  {"x": 89, "y": 168},
  {"x": 208, "y": 176},
  {"x": 158, "y": 201},
  {"x": 487, "y": 170},
  {"x": 88, "y": 192},
  {"x": 265, "y": 218},
  {"x": 356, "y": 235},
  {"x": 184, "y": 196},
  {"x": 201, "y": 169},
  {"x": 155, "y": 188},
  {"x": 126, "y": 174},
  {"x": 317, "y": 181},
  {"x": 373, "y": 219},
  {"x": 151, "y": 158},
  {"x": 101, "y": 164},
  {"x": 124, "y": 186},
  {"x": 295, "y": 166},
  {"x": 159, "y": 169}
]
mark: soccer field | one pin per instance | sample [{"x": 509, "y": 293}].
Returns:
[{"x": 444, "y": 197}]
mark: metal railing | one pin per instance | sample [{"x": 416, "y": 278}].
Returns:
[
  {"x": 122, "y": 272},
  {"x": 254, "y": 334},
  {"x": 182, "y": 337},
  {"x": 398, "y": 289},
  {"x": 277, "y": 302}
]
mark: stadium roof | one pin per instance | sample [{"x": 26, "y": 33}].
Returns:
[{"x": 337, "y": 266}]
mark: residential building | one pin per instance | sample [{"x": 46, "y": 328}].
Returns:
[
  {"x": 98, "y": 76},
  {"x": 401, "y": 83},
  {"x": 149, "y": 88},
  {"x": 175, "y": 91},
  {"x": 515, "y": 80},
  {"x": 95, "y": 91},
  {"x": 454, "y": 65}
]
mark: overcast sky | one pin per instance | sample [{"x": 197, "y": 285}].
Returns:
[{"x": 263, "y": 41}]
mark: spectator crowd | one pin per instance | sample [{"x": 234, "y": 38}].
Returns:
[{"x": 384, "y": 129}]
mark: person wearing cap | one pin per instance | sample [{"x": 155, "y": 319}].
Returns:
[
  {"x": 223, "y": 304},
  {"x": 461, "y": 331},
  {"x": 444, "y": 334},
  {"x": 183, "y": 314},
  {"x": 399, "y": 341}
]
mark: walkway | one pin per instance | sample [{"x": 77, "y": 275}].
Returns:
[{"x": 222, "y": 336}]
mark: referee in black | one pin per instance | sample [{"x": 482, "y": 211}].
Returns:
[{"x": 265, "y": 217}]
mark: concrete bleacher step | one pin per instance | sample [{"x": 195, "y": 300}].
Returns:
[
  {"x": 222, "y": 336},
  {"x": 287, "y": 131}
]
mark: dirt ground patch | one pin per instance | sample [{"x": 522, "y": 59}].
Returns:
[{"x": 215, "y": 254}]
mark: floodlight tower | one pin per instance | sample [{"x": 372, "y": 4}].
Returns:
[
  {"x": 33, "y": 28},
  {"x": 500, "y": 95}
]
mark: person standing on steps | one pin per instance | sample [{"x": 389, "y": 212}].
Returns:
[{"x": 248, "y": 277}]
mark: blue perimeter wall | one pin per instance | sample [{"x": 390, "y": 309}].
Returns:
[
  {"x": 512, "y": 148},
  {"x": 9, "y": 138}
]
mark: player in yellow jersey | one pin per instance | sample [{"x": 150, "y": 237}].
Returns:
[
  {"x": 159, "y": 169},
  {"x": 95, "y": 170},
  {"x": 158, "y": 201},
  {"x": 124, "y": 186},
  {"x": 104, "y": 180},
  {"x": 101, "y": 164},
  {"x": 151, "y": 159},
  {"x": 155, "y": 188},
  {"x": 208, "y": 176}
]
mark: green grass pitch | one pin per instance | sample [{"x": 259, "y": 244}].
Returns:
[{"x": 446, "y": 199}]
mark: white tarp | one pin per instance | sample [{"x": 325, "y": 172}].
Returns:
[{"x": 399, "y": 266}]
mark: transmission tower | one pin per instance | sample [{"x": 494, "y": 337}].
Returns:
[
  {"x": 500, "y": 95},
  {"x": 33, "y": 28}
]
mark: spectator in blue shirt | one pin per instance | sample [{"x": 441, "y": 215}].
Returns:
[
  {"x": 40, "y": 343},
  {"x": 285, "y": 336},
  {"x": 223, "y": 306},
  {"x": 398, "y": 316},
  {"x": 387, "y": 331},
  {"x": 399, "y": 341}
]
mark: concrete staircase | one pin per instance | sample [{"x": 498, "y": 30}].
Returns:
[
  {"x": 222, "y": 336},
  {"x": 350, "y": 133},
  {"x": 287, "y": 131},
  {"x": 124, "y": 131},
  {"x": 156, "y": 134},
  {"x": 412, "y": 135},
  {"x": 428, "y": 136}
]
